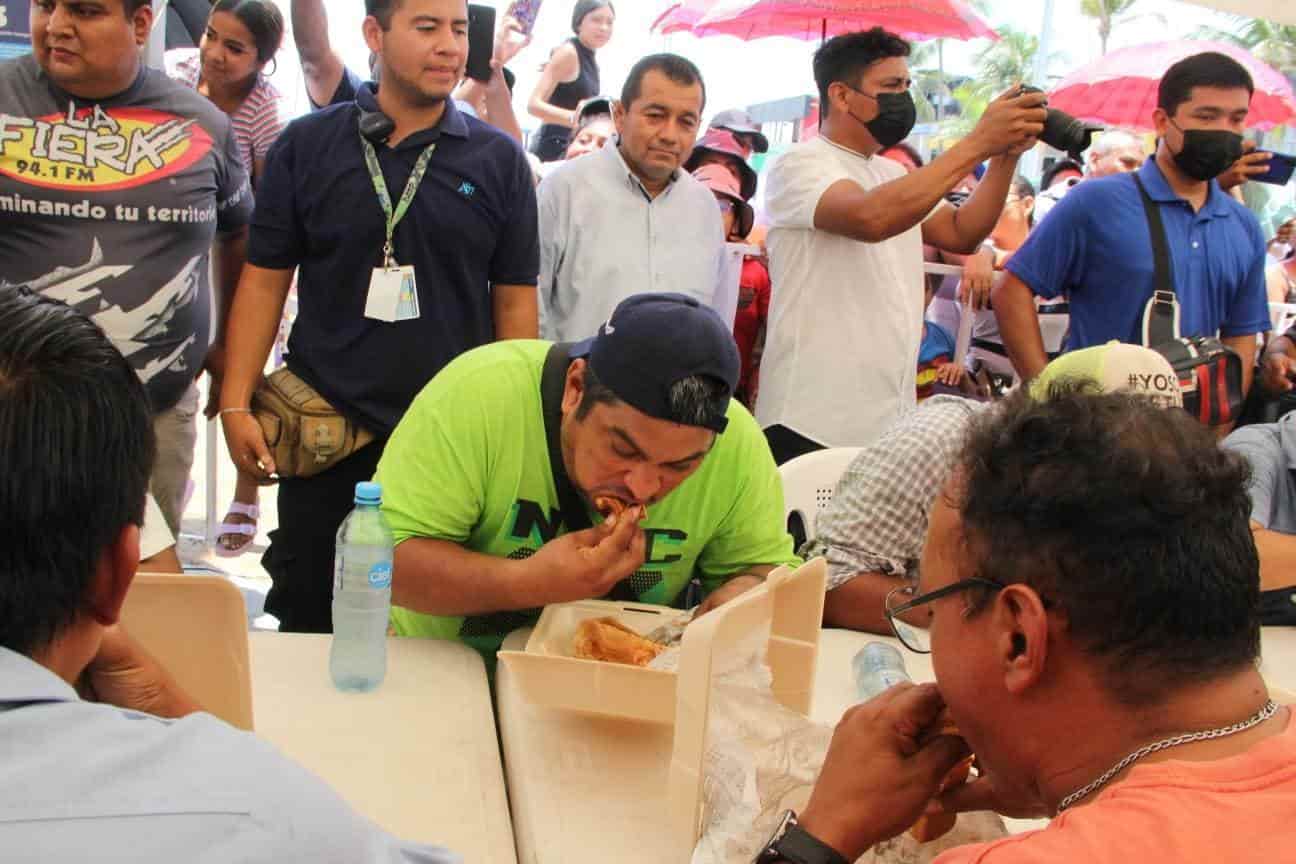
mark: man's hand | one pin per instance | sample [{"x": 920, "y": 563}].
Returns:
[
  {"x": 1012, "y": 123},
  {"x": 122, "y": 673},
  {"x": 1252, "y": 164},
  {"x": 951, "y": 374},
  {"x": 247, "y": 447},
  {"x": 214, "y": 365},
  {"x": 728, "y": 591},
  {"x": 878, "y": 778},
  {"x": 978, "y": 279},
  {"x": 588, "y": 563},
  {"x": 1278, "y": 372},
  {"x": 510, "y": 39}
]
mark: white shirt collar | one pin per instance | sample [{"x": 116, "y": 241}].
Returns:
[
  {"x": 22, "y": 679},
  {"x": 611, "y": 154}
]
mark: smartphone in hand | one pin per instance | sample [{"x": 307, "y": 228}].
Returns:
[
  {"x": 1281, "y": 168},
  {"x": 481, "y": 41},
  {"x": 524, "y": 12}
]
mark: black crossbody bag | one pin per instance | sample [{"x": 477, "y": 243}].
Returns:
[{"x": 1210, "y": 373}]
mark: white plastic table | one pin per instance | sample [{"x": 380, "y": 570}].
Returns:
[
  {"x": 594, "y": 789},
  {"x": 419, "y": 755}
]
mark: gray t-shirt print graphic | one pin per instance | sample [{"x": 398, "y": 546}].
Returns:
[{"x": 112, "y": 206}]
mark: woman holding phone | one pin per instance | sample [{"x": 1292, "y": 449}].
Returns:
[{"x": 570, "y": 77}]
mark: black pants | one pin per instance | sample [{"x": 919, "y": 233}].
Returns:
[
  {"x": 787, "y": 445},
  {"x": 300, "y": 557}
]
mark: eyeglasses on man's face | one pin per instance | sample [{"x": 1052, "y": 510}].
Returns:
[{"x": 902, "y": 599}]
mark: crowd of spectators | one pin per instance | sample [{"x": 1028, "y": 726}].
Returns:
[{"x": 519, "y": 331}]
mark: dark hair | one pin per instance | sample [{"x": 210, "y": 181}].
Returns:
[
  {"x": 844, "y": 58},
  {"x": 1208, "y": 69},
  {"x": 76, "y": 435},
  {"x": 1023, "y": 188},
  {"x": 382, "y": 10},
  {"x": 263, "y": 20},
  {"x": 585, "y": 7},
  {"x": 679, "y": 69},
  {"x": 1129, "y": 518},
  {"x": 697, "y": 400},
  {"x": 130, "y": 7},
  {"x": 907, "y": 149},
  {"x": 1046, "y": 180}
]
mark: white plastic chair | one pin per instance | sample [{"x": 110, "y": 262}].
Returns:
[{"x": 808, "y": 485}]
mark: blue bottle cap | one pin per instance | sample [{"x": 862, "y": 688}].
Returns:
[{"x": 368, "y": 493}]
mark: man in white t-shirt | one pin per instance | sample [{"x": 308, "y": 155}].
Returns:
[{"x": 845, "y": 242}]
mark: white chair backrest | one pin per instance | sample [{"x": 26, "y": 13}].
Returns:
[{"x": 809, "y": 482}]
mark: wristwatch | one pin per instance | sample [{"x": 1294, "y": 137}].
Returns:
[{"x": 794, "y": 844}]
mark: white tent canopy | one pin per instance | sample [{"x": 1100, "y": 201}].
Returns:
[{"x": 1279, "y": 11}]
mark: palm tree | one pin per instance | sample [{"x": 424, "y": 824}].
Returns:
[
  {"x": 1109, "y": 14},
  {"x": 1004, "y": 63},
  {"x": 1275, "y": 44}
]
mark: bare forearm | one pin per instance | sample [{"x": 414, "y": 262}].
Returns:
[
  {"x": 898, "y": 206},
  {"x": 440, "y": 577},
  {"x": 321, "y": 67},
  {"x": 860, "y": 604},
  {"x": 499, "y": 108},
  {"x": 254, "y": 322},
  {"x": 1277, "y": 558},
  {"x": 517, "y": 312},
  {"x": 230, "y": 256},
  {"x": 1014, "y": 309},
  {"x": 977, "y": 217}
]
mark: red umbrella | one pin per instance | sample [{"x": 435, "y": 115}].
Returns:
[
  {"x": 1120, "y": 88},
  {"x": 819, "y": 19}
]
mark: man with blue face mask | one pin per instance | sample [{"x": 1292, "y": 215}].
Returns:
[
  {"x": 846, "y": 234},
  {"x": 1096, "y": 246}
]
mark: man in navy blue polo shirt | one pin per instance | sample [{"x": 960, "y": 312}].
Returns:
[
  {"x": 456, "y": 214},
  {"x": 1096, "y": 248}
]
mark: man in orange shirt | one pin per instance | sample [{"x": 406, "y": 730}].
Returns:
[{"x": 1091, "y": 588}]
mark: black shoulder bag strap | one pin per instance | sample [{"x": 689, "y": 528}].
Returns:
[
  {"x": 553, "y": 381},
  {"x": 1161, "y": 316}
]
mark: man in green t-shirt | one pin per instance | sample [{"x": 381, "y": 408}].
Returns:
[{"x": 489, "y": 477}]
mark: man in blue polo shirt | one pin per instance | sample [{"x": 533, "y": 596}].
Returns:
[
  {"x": 467, "y": 238},
  {"x": 1096, "y": 248}
]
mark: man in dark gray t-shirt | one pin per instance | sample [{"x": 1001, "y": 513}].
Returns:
[{"x": 114, "y": 184}]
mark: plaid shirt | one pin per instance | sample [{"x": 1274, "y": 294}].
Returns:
[{"x": 877, "y": 519}]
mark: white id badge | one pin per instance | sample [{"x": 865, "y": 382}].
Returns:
[{"x": 393, "y": 295}]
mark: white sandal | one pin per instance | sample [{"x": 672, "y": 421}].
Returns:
[{"x": 246, "y": 530}]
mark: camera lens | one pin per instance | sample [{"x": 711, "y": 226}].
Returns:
[{"x": 1066, "y": 133}]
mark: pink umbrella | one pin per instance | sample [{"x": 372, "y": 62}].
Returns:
[
  {"x": 1120, "y": 89},
  {"x": 680, "y": 17},
  {"x": 819, "y": 19}
]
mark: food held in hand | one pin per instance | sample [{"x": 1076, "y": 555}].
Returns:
[
  {"x": 929, "y": 827},
  {"x": 610, "y": 641},
  {"x": 609, "y": 506}
]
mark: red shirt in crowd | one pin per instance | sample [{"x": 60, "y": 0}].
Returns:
[{"x": 749, "y": 325}]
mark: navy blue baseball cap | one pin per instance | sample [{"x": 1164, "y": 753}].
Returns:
[{"x": 653, "y": 341}]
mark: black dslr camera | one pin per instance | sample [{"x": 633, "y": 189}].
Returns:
[{"x": 1064, "y": 132}]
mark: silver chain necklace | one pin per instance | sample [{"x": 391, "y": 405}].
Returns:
[{"x": 1269, "y": 710}]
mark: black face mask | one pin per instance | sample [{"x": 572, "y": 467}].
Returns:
[
  {"x": 896, "y": 117},
  {"x": 1207, "y": 153}
]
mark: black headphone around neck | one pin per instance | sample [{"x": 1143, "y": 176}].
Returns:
[{"x": 376, "y": 126}]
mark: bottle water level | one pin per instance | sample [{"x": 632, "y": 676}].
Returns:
[
  {"x": 358, "y": 658},
  {"x": 877, "y": 667}
]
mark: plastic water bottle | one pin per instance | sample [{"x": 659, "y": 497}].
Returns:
[
  {"x": 877, "y": 666},
  {"x": 362, "y": 572}
]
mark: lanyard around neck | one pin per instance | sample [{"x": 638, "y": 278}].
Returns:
[{"x": 384, "y": 197}]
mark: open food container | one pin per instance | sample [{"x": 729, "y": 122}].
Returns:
[{"x": 785, "y": 613}]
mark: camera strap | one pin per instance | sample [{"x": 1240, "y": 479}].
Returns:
[{"x": 1161, "y": 314}]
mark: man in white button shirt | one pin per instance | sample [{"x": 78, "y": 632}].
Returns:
[
  {"x": 845, "y": 242},
  {"x": 627, "y": 219},
  {"x": 134, "y": 771}
]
